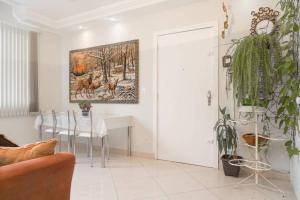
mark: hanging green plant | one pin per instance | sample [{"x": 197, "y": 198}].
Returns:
[
  {"x": 254, "y": 66},
  {"x": 287, "y": 110}
]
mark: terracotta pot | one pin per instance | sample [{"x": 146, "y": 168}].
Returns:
[{"x": 250, "y": 139}]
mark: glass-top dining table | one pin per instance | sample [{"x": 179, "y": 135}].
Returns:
[{"x": 99, "y": 124}]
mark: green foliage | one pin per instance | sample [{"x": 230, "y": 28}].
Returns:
[
  {"x": 266, "y": 71},
  {"x": 254, "y": 68},
  {"x": 85, "y": 105},
  {"x": 287, "y": 110},
  {"x": 226, "y": 134}
]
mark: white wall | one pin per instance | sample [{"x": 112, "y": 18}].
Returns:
[{"x": 50, "y": 71}]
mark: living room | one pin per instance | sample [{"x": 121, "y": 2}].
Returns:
[{"x": 113, "y": 88}]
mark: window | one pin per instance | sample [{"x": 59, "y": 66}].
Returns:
[{"x": 18, "y": 71}]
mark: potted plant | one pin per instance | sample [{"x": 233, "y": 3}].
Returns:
[
  {"x": 85, "y": 107},
  {"x": 254, "y": 64},
  {"x": 227, "y": 142}
]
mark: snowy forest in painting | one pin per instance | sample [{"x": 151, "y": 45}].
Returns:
[{"x": 105, "y": 74}]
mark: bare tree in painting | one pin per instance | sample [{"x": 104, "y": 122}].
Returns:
[
  {"x": 104, "y": 56},
  {"x": 132, "y": 54},
  {"x": 124, "y": 55}
]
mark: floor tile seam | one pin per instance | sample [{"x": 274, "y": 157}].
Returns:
[
  {"x": 205, "y": 187},
  {"x": 114, "y": 184},
  {"x": 197, "y": 191}
]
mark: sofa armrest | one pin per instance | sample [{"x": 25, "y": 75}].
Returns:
[{"x": 45, "y": 178}]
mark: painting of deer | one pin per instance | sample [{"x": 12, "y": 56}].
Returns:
[{"x": 100, "y": 74}]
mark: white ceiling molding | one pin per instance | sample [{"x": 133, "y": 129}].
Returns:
[
  {"x": 106, "y": 11},
  {"x": 27, "y": 16}
]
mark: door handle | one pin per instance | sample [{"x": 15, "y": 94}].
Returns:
[{"x": 209, "y": 97}]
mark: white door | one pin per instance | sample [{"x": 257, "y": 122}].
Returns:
[{"x": 187, "y": 104}]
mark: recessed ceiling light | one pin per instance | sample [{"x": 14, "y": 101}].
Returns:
[
  {"x": 112, "y": 19},
  {"x": 80, "y": 27}
]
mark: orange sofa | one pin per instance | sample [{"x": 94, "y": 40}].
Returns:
[{"x": 45, "y": 178}]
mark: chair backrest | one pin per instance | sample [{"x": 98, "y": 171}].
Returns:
[
  {"x": 48, "y": 118},
  {"x": 75, "y": 120},
  {"x": 64, "y": 121},
  {"x": 83, "y": 123}
]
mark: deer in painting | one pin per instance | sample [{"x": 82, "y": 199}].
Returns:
[
  {"x": 95, "y": 85},
  {"x": 111, "y": 86},
  {"x": 83, "y": 85}
]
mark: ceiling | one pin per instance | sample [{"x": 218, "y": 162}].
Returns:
[
  {"x": 57, "y": 14},
  {"x": 59, "y": 9}
]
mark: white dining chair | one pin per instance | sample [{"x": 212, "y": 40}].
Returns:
[
  {"x": 48, "y": 123},
  {"x": 64, "y": 127},
  {"x": 84, "y": 129}
]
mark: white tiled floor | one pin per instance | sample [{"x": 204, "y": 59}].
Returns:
[{"x": 144, "y": 179}]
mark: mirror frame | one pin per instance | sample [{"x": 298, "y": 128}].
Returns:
[{"x": 264, "y": 14}]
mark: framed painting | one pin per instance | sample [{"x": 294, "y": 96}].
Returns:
[{"x": 105, "y": 74}]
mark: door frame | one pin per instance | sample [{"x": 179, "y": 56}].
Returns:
[{"x": 215, "y": 89}]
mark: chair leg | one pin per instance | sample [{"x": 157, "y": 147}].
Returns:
[
  {"x": 40, "y": 133},
  {"x": 59, "y": 140},
  {"x": 107, "y": 147},
  {"x": 103, "y": 152},
  {"x": 69, "y": 150},
  {"x": 91, "y": 152},
  {"x": 88, "y": 147},
  {"x": 74, "y": 145}
]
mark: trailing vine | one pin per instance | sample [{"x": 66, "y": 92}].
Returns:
[
  {"x": 254, "y": 66},
  {"x": 287, "y": 110}
]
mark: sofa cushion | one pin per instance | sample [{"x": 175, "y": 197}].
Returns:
[{"x": 9, "y": 155}]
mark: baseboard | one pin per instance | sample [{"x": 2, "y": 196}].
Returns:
[
  {"x": 81, "y": 147},
  {"x": 133, "y": 153}
]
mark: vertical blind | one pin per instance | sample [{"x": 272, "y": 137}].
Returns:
[{"x": 18, "y": 69}]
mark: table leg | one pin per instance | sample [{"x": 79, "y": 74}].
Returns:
[
  {"x": 107, "y": 147},
  {"x": 103, "y": 152},
  {"x": 129, "y": 141},
  {"x": 71, "y": 143}
]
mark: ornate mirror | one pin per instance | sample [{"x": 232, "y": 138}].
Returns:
[{"x": 264, "y": 21}]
